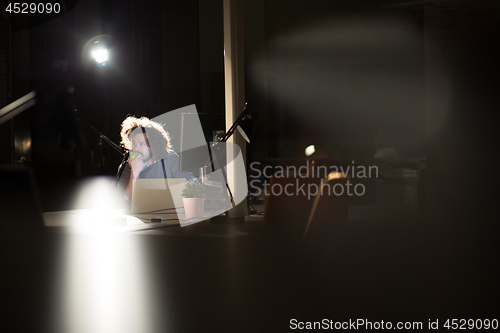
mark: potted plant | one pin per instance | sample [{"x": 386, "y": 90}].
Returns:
[{"x": 193, "y": 198}]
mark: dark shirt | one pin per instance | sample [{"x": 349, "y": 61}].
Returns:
[{"x": 167, "y": 167}]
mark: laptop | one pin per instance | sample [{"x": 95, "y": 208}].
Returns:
[{"x": 158, "y": 200}]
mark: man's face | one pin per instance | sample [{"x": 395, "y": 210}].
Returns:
[{"x": 139, "y": 145}]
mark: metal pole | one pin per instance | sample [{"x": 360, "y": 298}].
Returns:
[{"x": 234, "y": 78}]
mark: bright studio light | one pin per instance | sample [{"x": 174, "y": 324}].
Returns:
[
  {"x": 100, "y": 53},
  {"x": 310, "y": 150},
  {"x": 98, "y": 194},
  {"x": 106, "y": 286}
]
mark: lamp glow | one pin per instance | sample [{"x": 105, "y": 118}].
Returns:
[
  {"x": 310, "y": 150},
  {"x": 100, "y": 55}
]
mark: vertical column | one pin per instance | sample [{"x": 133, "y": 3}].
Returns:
[{"x": 234, "y": 78}]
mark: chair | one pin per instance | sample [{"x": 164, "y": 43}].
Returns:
[
  {"x": 330, "y": 208},
  {"x": 305, "y": 213},
  {"x": 288, "y": 205}
]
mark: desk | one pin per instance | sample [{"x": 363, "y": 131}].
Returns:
[
  {"x": 198, "y": 278},
  {"x": 237, "y": 278},
  {"x": 113, "y": 220}
]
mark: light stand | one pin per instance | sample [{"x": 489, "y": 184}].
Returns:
[{"x": 122, "y": 150}]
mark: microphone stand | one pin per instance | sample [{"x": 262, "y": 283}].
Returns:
[
  {"x": 235, "y": 124},
  {"x": 121, "y": 149},
  {"x": 224, "y": 139}
]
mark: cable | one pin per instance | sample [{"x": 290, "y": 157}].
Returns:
[
  {"x": 160, "y": 210},
  {"x": 155, "y": 220}
]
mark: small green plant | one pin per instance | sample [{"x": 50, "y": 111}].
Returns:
[{"x": 194, "y": 190}]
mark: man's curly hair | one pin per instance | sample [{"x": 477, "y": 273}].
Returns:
[{"x": 159, "y": 139}]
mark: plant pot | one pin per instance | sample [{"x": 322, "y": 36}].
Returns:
[{"x": 193, "y": 207}]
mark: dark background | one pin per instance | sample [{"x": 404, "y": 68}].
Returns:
[{"x": 329, "y": 73}]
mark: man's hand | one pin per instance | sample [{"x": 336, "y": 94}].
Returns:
[{"x": 136, "y": 164}]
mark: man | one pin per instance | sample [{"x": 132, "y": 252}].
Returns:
[{"x": 155, "y": 157}]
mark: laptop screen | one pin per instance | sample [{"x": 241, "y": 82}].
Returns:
[{"x": 157, "y": 195}]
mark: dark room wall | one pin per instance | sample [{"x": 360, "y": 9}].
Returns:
[
  {"x": 334, "y": 74},
  {"x": 462, "y": 86},
  {"x": 322, "y": 72},
  {"x": 211, "y": 41}
]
